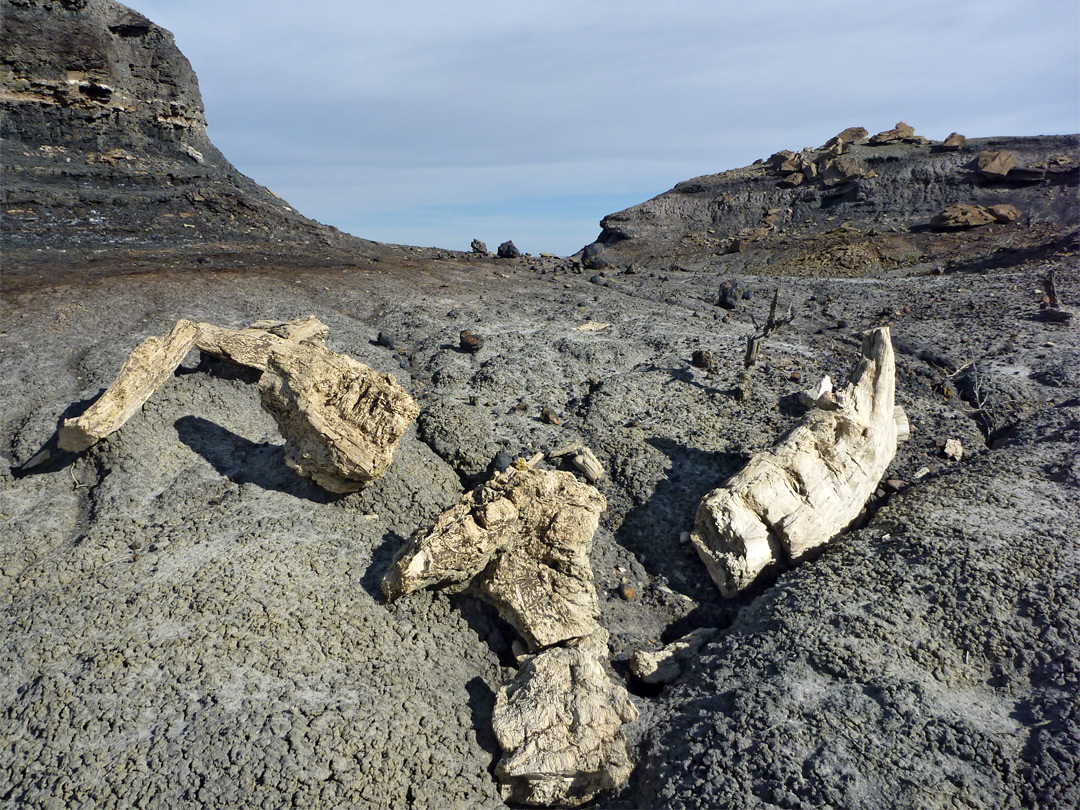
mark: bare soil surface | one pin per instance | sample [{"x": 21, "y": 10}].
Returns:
[{"x": 189, "y": 622}]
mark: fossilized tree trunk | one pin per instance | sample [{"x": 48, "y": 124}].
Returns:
[
  {"x": 813, "y": 484},
  {"x": 559, "y": 723},
  {"x": 524, "y": 540},
  {"x": 527, "y": 533},
  {"x": 147, "y": 368},
  {"x": 341, "y": 420}
]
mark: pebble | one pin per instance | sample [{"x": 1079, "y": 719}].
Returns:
[
  {"x": 470, "y": 341},
  {"x": 627, "y": 591}
]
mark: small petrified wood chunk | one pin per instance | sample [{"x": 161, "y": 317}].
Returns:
[
  {"x": 799, "y": 495},
  {"x": 341, "y": 420},
  {"x": 559, "y": 723},
  {"x": 147, "y": 368},
  {"x": 252, "y": 346},
  {"x": 526, "y": 536}
]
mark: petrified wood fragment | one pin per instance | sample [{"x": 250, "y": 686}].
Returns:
[
  {"x": 559, "y": 722},
  {"x": 799, "y": 495},
  {"x": 341, "y": 420},
  {"x": 147, "y": 368},
  {"x": 526, "y": 535}
]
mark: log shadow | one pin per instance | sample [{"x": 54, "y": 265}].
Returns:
[
  {"x": 481, "y": 707},
  {"x": 651, "y": 530},
  {"x": 381, "y": 557},
  {"x": 246, "y": 462},
  {"x": 50, "y": 458}
]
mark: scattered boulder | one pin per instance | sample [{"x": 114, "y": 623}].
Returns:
[
  {"x": 901, "y": 133},
  {"x": 851, "y": 135},
  {"x": 995, "y": 164},
  {"x": 479, "y": 247},
  {"x": 796, "y": 497},
  {"x": 954, "y": 143},
  {"x": 730, "y": 294},
  {"x": 508, "y": 250},
  {"x": 963, "y": 215},
  {"x": 666, "y": 665},
  {"x": 593, "y": 257},
  {"x": 559, "y": 723}
]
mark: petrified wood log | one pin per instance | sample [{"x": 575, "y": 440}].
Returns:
[
  {"x": 252, "y": 346},
  {"x": 341, "y": 420},
  {"x": 799, "y": 495},
  {"x": 147, "y": 368},
  {"x": 559, "y": 722},
  {"x": 527, "y": 533}
]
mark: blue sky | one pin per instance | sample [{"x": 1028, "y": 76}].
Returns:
[{"x": 432, "y": 123}]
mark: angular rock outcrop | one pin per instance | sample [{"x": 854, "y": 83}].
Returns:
[
  {"x": 799, "y": 495},
  {"x": 341, "y": 420},
  {"x": 995, "y": 164},
  {"x": 559, "y": 723}
]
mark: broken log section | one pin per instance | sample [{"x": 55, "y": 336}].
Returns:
[
  {"x": 813, "y": 484},
  {"x": 342, "y": 421}
]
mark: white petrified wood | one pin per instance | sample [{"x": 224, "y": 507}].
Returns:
[
  {"x": 814, "y": 483},
  {"x": 559, "y": 723},
  {"x": 341, "y": 420},
  {"x": 147, "y": 368},
  {"x": 666, "y": 665},
  {"x": 523, "y": 539},
  {"x": 527, "y": 533}
]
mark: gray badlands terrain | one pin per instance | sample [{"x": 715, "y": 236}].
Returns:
[{"x": 188, "y": 623}]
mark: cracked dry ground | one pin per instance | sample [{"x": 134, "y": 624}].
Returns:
[{"x": 187, "y": 623}]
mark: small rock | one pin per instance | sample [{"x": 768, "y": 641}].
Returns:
[
  {"x": 627, "y": 591},
  {"x": 1005, "y": 213},
  {"x": 921, "y": 473},
  {"x": 729, "y": 295},
  {"x": 502, "y": 461},
  {"x": 508, "y": 250},
  {"x": 387, "y": 340},
  {"x": 894, "y": 485},
  {"x": 954, "y": 142},
  {"x": 703, "y": 358},
  {"x": 597, "y": 280},
  {"x": 470, "y": 341},
  {"x": 953, "y": 450},
  {"x": 901, "y": 132},
  {"x": 995, "y": 164},
  {"x": 479, "y": 247},
  {"x": 549, "y": 417}
]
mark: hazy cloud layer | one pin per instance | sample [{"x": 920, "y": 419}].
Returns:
[{"x": 433, "y": 123}]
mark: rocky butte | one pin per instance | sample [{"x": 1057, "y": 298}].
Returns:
[{"x": 194, "y": 611}]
